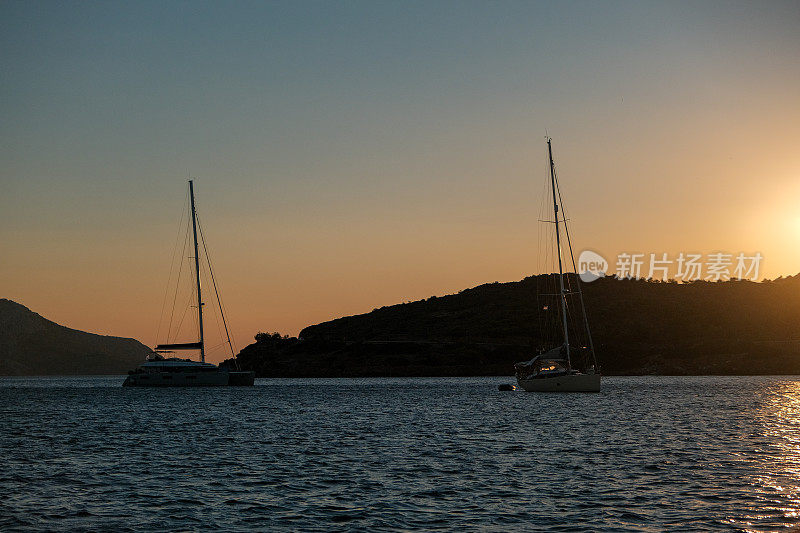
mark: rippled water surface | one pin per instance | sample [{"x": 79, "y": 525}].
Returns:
[{"x": 646, "y": 454}]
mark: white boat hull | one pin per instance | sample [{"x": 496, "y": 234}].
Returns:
[{"x": 563, "y": 383}]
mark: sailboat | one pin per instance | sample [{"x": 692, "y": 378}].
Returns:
[
  {"x": 570, "y": 366},
  {"x": 160, "y": 371}
]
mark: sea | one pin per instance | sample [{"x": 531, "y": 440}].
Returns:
[{"x": 393, "y": 454}]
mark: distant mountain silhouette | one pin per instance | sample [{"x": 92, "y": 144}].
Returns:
[
  {"x": 639, "y": 327},
  {"x": 33, "y": 345}
]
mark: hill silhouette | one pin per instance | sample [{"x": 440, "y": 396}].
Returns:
[
  {"x": 33, "y": 345},
  {"x": 639, "y": 327}
]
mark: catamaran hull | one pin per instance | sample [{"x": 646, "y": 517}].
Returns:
[
  {"x": 189, "y": 379},
  {"x": 567, "y": 383}
]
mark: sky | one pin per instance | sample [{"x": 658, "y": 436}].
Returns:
[{"x": 349, "y": 155}]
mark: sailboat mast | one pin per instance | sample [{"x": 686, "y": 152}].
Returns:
[
  {"x": 563, "y": 297},
  {"x": 197, "y": 274}
]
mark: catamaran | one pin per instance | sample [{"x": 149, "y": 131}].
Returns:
[
  {"x": 571, "y": 365},
  {"x": 160, "y": 371}
]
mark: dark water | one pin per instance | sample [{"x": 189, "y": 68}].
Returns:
[{"x": 646, "y": 454}]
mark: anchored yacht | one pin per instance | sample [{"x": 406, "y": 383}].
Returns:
[
  {"x": 571, "y": 365},
  {"x": 160, "y": 371}
]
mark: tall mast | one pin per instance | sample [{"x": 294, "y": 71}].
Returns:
[
  {"x": 563, "y": 297},
  {"x": 197, "y": 274}
]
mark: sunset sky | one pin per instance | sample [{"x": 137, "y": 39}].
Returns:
[{"x": 350, "y": 155}]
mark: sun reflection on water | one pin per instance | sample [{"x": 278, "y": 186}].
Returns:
[{"x": 774, "y": 456}]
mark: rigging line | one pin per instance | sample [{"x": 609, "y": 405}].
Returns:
[
  {"x": 214, "y": 283},
  {"x": 572, "y": 319},
  {"x": 566, "y": 228},
  {"x": 542, "y": 318},
  {"x": 185, "y": 310},
  {"x": 211, "y": 349},
  {"x": 169, "y": 279},
  {"x": 214, "y": 312},
  {"x": 548, "y": 280},
  {"x": 220, "y": 304},
  {"x": 577, "y": 280},
  {"x": 178, "y": 283}
]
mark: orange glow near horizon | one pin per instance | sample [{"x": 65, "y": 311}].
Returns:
[
  {"x": 299, "y": 274},
  {"x": 365, "y": 158}
]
